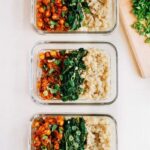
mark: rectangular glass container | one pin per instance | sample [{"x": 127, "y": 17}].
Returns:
[
  {"x": 111, "y": 120},
  {"x": 108, "y": 48},
  {"x": 111, "y": 20}
]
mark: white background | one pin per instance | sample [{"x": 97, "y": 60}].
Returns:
[{"x": 17, "y": 37}]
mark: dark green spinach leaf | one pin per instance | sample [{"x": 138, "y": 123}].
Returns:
[
  {"x": 71, "y": 75},
  {"x": 75, "y": 134}
]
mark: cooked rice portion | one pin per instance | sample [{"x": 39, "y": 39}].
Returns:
[
  {"x": 99, "y": 133},
  {"x": 96, "y": 75},
  {"x": 100, "y": 18}
]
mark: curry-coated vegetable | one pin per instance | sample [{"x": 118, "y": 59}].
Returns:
[
  {"x": 49, "y": 15},
  {"x": 60, "y": 15},
  {"x": 50, "y": 81},
  {"x": 58, "y": 133},
  {"x": 47, "y": 132},
  {"x": 61, "y": 74}
]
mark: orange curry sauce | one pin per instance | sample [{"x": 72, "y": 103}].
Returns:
[{"x": 51, "y": 15}]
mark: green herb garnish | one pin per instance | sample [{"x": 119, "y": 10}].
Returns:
[
  {"x": 44, "y": 137},
  {"x": 55, "y": 89},
  {"x": 141, "y": 9},
  {"x": 60, "y": 130},
  {"x": 63, "y": 52},
  {"x": 54, "y": 127},
  {"x": 45, "y": 67},
  {"x": 44, "y": 148},
  {"x": 52, "y": 24},
  {"x": 57, "y": 62},
  {"x": 50, "y": 71},
  {"x": 63, "y": 14}
]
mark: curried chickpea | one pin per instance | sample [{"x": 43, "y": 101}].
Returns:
[
  {"x": 64, "y": 8},
  {"x": 40, "y": 24},
  {"x": 46, "y": 2},
  {"x": 61, "y": 21},
  {"x": 58, "y": 1},
  {"x": 37, "y": 142},
  {"x": 56, "y": 146},
  {"x": 37, "y": 6},
  {"x": 48, "y": 13},
  {"x": 46, "y": 20},
  {"x": 39, "y": 15},
  {"x": 42, "y": 56},
  {"x": 47, "y": 132},
  {"x": 41, "y": 10},
  {"x": 47, "y": 54},
  {"x": 35, "y": 124},
  {"x": 55, "y": 17}
]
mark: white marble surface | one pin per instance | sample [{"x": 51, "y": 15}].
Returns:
[{"x": 17, "y": 37}]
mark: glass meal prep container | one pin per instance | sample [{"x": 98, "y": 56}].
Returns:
[
  {"x": 112, "y": 79},
  {"x": 73, "y": 131},
  {"x": 62, "y": 16}
]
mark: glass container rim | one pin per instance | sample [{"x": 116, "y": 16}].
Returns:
[{"x": 73, "y": 42}]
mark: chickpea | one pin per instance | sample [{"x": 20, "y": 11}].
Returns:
[
  {"x": 40, "y": 24},
  {"x": 53, "y": 10},
  {"x": 56, "y": 146},
  {"x": 64, "y": 8},
  {"x": 50, "y": 65},
  {"x": 36, "y": 124},
  {"x": 37, "y": 6},
  {"x": 46, "y": 20},
  {"x": 42, "y": 56},
  {"x": 40, "y": 130},
  {"x": 38, "y": 15},
  {"x": 53, "y": 53},
  {"x": 55, "y": 16},
  {"x": 46, "y": 125},
  {"x": 38, "y": 84},
  {"x": 41, "y": 10},
  {"x": 60, "y": 120},
  {"x": 59, "y": 4},
  {"x": 47, "y": 132},
  {"x": 37, "y": 142},
  {"x": 60, "y": 136},
  {"x": 46, "y": 2},
  {"x": 47, "y": 54},
  {"x": 59, "y": 11},
  {"x": 61, "y": 21},
  {"x": 48, "y": 13},
  {"x": 45, "y": 142}
]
